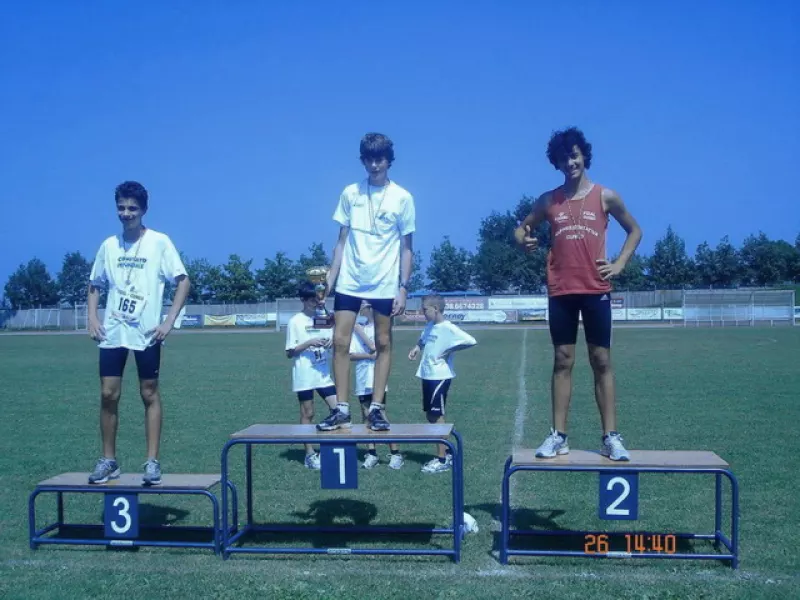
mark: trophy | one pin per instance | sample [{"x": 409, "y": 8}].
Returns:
[{"x": 323, "y": 319}]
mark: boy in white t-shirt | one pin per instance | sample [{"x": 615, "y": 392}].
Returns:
[
  {"x": 311, "y": 350},
  {"x": 372, "y": 261},
  {"x": 362, "y": 353},
  {"x": 439, "y": 341},
  {"x": 133, "y": 268}
]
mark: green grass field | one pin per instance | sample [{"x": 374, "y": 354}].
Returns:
[{"x": 733, "y": 391}]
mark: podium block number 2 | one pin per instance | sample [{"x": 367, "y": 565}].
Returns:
[
  {"x": 338, "y": 466},
  {"x": 121, "y": 516},
  {"x": 619, "y": 496}
]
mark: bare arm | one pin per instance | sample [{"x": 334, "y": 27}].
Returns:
[
  {"x": 522, "y": 234},
  {"x": 336, "y": 261},
  {"x": 359, "y": 331},
  {"x": 406, "y": 265},
  {"x": 96, "y": 331},
  {"x": 614, "y": 206},
  {"x": 362, "y": 356}
]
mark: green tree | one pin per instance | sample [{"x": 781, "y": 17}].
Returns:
[
  {"x": 669, "y": 266},
  {"x": 417, "y": 280},
  {"x": 277, "y": 278},
  {"x": 316, "y": 257},
  {"x": 633, "y": 277},
  {"x": 237, "y": 284},
  {"x": 205, "y": 278},
  {"x": 728, "y": 264},
  {"x": 31, "y": 286},
  {"x": 450, "y": 268},
  {"x": 766, "y": 262},
  {"x": 73, "y": 279}
]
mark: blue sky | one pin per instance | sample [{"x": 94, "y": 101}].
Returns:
[{"x": 243, "y": 118}]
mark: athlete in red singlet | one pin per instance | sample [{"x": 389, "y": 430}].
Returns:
[{"x": 578, "y": 282}]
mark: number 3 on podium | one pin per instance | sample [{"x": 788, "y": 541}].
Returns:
[
  {"x": 619, "y": 496},
  {"x": 121, "y": 516},
  {"x": 338, "y": 466}
]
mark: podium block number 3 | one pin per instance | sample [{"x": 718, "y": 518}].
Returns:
[
  {"x": 619, "y": 496},
  {"x": 338, "y": 466},
  {"x": 121, "y": 516}
]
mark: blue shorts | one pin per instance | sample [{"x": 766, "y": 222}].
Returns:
[
  {"x": 353, "y": 304},
  {"x": 148, "y": 361},
  {"x": 306, "y": 395},
  {"x": 563, "y": 312},
  {"x": 434, "y": 395}
]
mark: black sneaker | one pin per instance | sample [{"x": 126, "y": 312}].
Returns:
[
  {"x": 376, "y": 421},
  {"x": 336, "y": 420}
]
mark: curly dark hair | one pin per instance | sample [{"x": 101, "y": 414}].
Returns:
[
  {"x": 132, "y": 189},
  {"x": 377, "y": 145},
  {"x": 562, "y": 142}
]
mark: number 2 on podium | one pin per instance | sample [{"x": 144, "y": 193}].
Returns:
[{"x": 619, "y": 496}]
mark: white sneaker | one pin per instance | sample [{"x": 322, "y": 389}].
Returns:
[
  {"x": 554, "y": 444},
  {"x": 396, "y": 461},
  {"x": 436, "y": 466},
  {"x": 370, "y": 462},
  {"x": 312, "y": 461},
  {"x": 612, "y": 447}
]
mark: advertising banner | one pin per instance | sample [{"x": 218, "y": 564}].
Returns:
[
  {"x": 192, "y": 321},
  {"x": 517, "y": 302},
  {"x": 464, "y": 303},
  {"x": 644, "y": 314},
  {"x": 673, "y": 314},
  {"x": 219, "y": 320},
  {"x": 251, "y": 320},
  {"x": 533, "y": 314},
  {"x": 482, "y": 316}
]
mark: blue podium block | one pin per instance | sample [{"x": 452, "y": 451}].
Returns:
[
  {"x": 121, "y": 524},
  {"x": 618, "y": 499},
  {"x": 339, "y": 468}
]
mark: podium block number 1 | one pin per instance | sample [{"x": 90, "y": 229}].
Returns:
[
  {"x": 338, "y": 466},
  {"x": 121, "y": 516},
  {"x": 619, "y": 496}
]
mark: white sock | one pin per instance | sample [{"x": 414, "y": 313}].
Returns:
[
  {"x": 343, "y": 407},
  {"x": 375, "y": 406}
]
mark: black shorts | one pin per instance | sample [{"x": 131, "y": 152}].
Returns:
[
  {"x": 434, "y": 395},
  {"x": 326, "y": 392},
  {"x": 148, "y": 361},
  {"x": 353, "y": 304},
  {"x": 563, "y": 318}
]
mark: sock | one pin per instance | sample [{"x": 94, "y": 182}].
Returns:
[
  {"x": 610, "y": 433},
  {"x": 394, "y": 452},
  {"x": 343, "y": 408},
  {"x": 563, "y": 435},
  {"x": 373, "y": 452},
  {"x": 443, "y": 460},
  {"x": 375, "y": 406}
]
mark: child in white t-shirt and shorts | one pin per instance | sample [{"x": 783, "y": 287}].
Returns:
[
  {"x": 438, "y": 342},
  {"x": 311, "y": 372},
  {"x": 362, "y": 353}
]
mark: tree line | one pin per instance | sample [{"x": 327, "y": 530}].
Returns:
[{"x": 495, "y": 267}]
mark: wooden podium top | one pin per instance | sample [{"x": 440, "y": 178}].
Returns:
[
  {"x": 429, "y": 431},
  {"x": 690, "y": 459},
  {"x": 189, "y": 481}
]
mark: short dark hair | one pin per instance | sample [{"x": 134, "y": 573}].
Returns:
[
  {"x": 434, "y": 300},
  {"x": 132, "y": 189},
  {"x": 306, "y": 291},
  {"x": 377, "y": 145},
  {"x": 562, "y": 142}
]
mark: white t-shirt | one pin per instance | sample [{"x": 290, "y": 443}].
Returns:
[
  {"x": 371, "y": 260},
  {"x": 134, "y": 310},
  {"x": 312, "y": 367},
  {"x": 436, "y": 339},
  {"x": 365, "y": 368}
]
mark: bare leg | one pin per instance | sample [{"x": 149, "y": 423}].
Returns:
[
  {"x": 152, "y": 415},
  {"x": 564, "y": 360},
  {"x": 345, "y": 321},
  {"x": 383, "y": 360},
  {"x": 604, "y": 386},
  {"x": 441, "y": 449},
  {"x": 110, "y": 392},
  {"x": 307, "y": 418},
  {"x": 364, "y": 413}
]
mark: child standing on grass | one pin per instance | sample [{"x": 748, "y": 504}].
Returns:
[{"x": 438, "y": 342}]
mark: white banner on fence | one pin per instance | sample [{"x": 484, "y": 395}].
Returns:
[
  {"x": 644, "y": 314},
  {"x": 480, "y": 316},
  {"x": 673, "y": 314},
  {"x": 618, "y": 314},
  {"x": 517, "y": 302}
]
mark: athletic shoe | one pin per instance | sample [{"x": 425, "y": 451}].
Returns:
[
  {"x": 336, "y": 420},
  {"x": 371, "y": 461},
  {"x": 105, "y": 469},
  {"x": 396, "y": 461},
  {"x": 152, "y": 472},
  {"x": 312, "y": 461},
  {"x": 376, "y": 420},
  {"x": 612, "y": 447},
  {"x": 436, "y": 466},
  {"x": 554, "y": 444}
]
